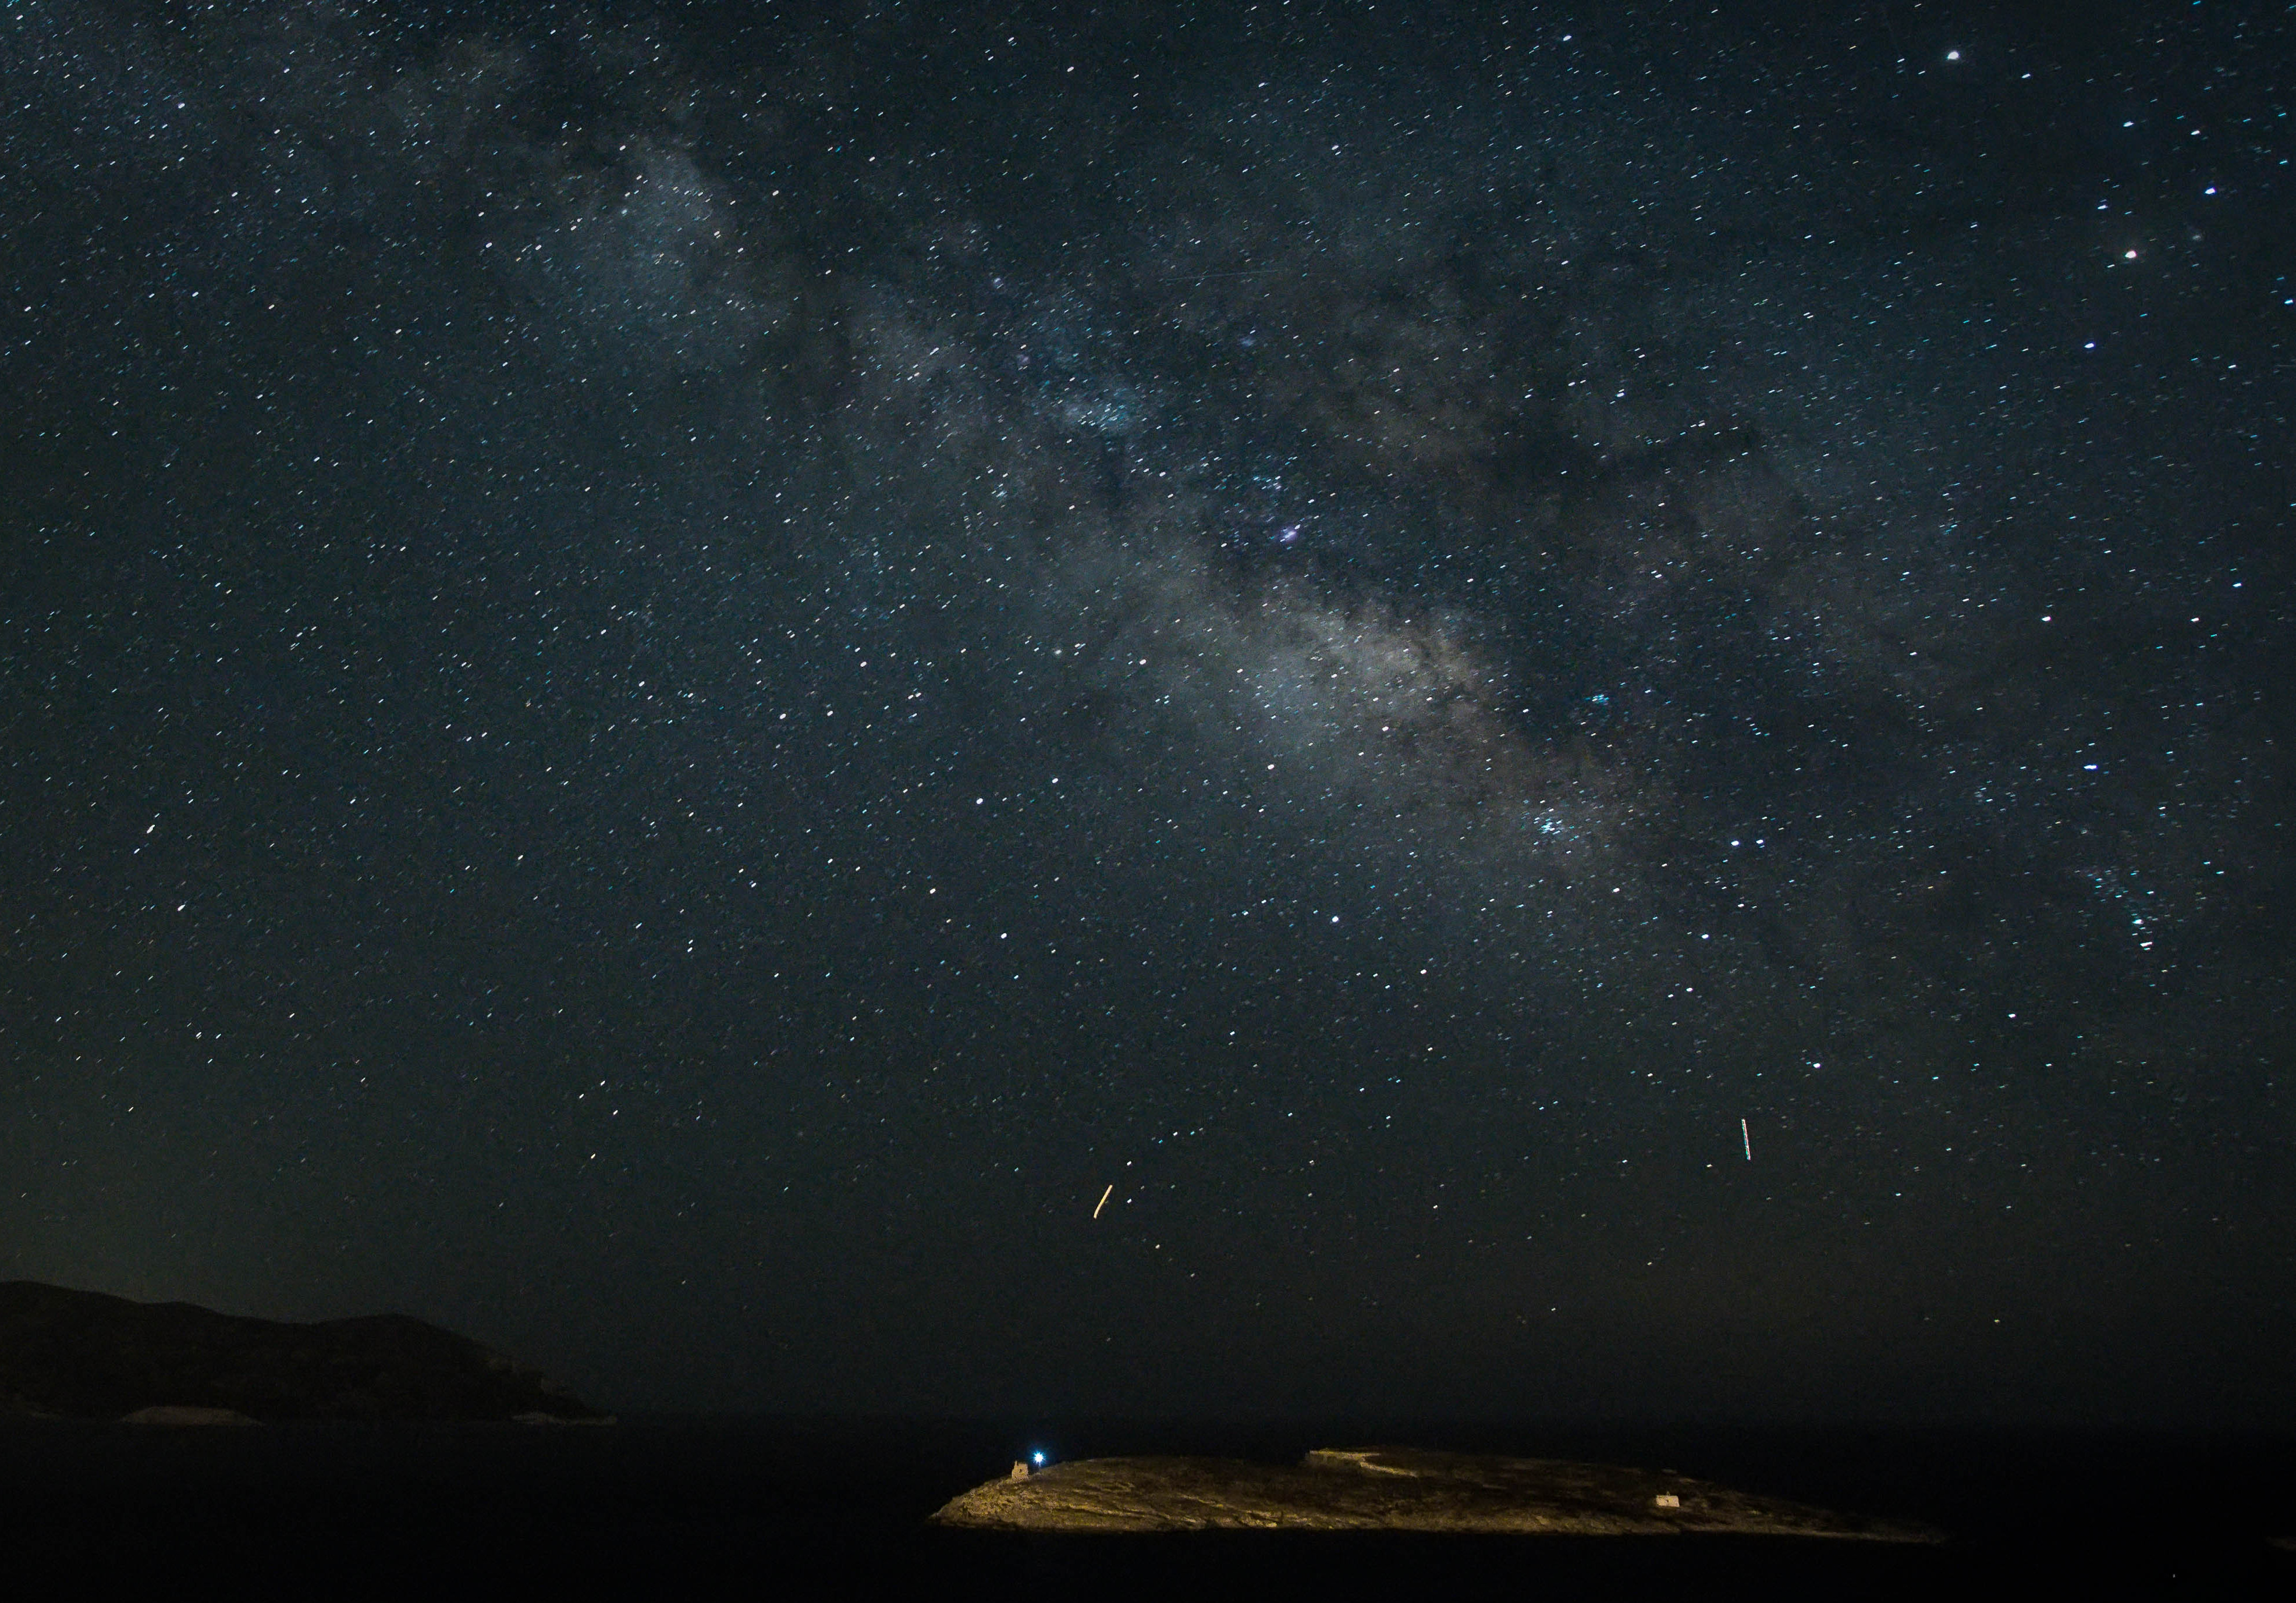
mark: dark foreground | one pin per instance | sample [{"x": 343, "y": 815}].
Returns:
[{"x": 667, "y": 1506}]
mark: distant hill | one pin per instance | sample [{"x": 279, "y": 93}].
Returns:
[{"x": 83, "y": 1356}]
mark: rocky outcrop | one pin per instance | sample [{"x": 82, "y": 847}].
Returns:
[
  {"x": 177, "y": 1413},
  {"x": 1390, "y": 1489},
  {"x": 83, "y": 1356}
]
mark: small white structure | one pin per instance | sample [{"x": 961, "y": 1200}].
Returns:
[
  {"x": 1669, "y": 1500},
  {"x": 1336, "y": 1458}
]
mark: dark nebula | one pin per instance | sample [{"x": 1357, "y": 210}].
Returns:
[{"x": 671, "y": 686}]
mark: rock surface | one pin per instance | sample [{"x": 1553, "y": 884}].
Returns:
[
  {"x": 1390, "y": 1489},
  {"x": 177, "y": 1413},
  {"x": 83, "y": 1355}
]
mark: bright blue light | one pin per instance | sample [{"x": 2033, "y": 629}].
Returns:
[{"x": 1038, "y": 1457}]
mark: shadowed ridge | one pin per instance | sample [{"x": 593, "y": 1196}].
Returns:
[{"x": 88, "y": 1355}]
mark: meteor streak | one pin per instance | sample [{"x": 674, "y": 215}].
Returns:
[{"x": 1104, "y": 1196}]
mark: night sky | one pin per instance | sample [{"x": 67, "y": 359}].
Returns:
[{"x": 1294, "y": 709}]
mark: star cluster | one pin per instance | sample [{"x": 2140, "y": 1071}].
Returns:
[{"x": 669, "y": 689}]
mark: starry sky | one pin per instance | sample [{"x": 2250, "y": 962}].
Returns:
[{"x": 1294, "y": 709}]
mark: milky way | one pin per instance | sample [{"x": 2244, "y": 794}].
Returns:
[{"x": 669, "y": 686}]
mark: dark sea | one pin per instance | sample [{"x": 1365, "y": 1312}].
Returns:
[{"x": 820, "y": 1507}]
